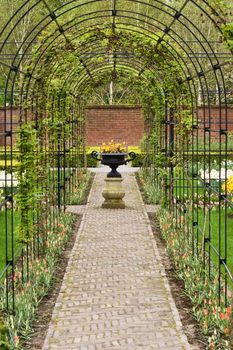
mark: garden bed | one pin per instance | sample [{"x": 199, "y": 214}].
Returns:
[
  {"x": 183, "y": 303},
  {"x": 44, "y": 313},
  {"x": 188, "y": 276}
]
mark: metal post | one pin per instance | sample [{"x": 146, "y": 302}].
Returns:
[{"x": 171, "y": 155}]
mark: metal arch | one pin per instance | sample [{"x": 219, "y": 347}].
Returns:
[
  {"x": 80, "y": 78},
  {"x": 83, "y": 78},
  {"x": 54, "y": 40},
  {"x": 132, "y": 68},
  {"x": 28, "y": 78},
  {"x": 102, "y": 54},
  {"x": 45, "y": 50},
  {"x": 161, "y": 9},
  {"x": 147, "y": 4},
  {"x": 145, "y": 29},
  {"x": 110, "y": 68},
  {"x": 91, "y": 2},
  {"x": 100, "y": 70},
  {"x": 181, "y": 14},
  {"x": 73, "y": 72},
  {"x": 171, "y": 53}
]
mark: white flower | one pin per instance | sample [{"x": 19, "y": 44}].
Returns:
[{"x": 7, "y": 179}]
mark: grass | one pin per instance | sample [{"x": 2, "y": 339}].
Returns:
[
  {"x": 210, "y": 224},
  {"x": 79, "y": 193},
  {"x": 214, "y": 144},
  {"x": 214, "y": 222},
  {"x": 15, "y": 219}
]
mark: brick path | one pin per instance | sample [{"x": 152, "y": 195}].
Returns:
[{"x": 115, "y": 294}]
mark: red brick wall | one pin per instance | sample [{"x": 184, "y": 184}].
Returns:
[
  {"x": 123, "y": 123},
  {"x": 116, "y": 122},
  {"x": 15, "y": 121},
  {"x": 212, "y": 118}
]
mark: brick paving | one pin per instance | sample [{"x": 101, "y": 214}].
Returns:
[{"x": 115, "y": 294}]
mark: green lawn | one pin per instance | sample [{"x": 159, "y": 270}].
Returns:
[
  {"x": 16, "y": 220},
  {"x": 210, "y": 224},
  {"x": 211, "y": 227}
]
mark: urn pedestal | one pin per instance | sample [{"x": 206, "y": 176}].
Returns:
[{"x": 113, "y": 193}]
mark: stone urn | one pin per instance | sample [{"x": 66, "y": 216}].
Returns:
[{"x": 113, "y": 192}]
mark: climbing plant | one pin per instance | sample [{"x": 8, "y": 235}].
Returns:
[
  {"x": 27, "y": 195},
  {"x": 155, "y": 54}
]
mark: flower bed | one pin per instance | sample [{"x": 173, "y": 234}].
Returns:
[
  {"x": 29, "y": 290},
  {"x": 202, "y": 289}
]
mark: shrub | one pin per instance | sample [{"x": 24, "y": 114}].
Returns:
[
  {"x": 91, "y": 162},
  {"x": 138, "y": 161}
]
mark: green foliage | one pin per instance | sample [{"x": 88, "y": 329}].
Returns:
[
  {"x": 184, "y": 128},
  {"x": 9, "y": 165},
  {"x": 29, "y": 290},
  {"x": 130, "y": 87},
  {"x": 55, "y": 99},
  {"x": 213, "y": 317},
  {"x": 138, "y": 161},
  {"x": 149, "y": 186},
  {"x": 91, "y": 162},
  {"x": 27, "y": 178},
  {"x": 78, "y": 193},
  {"x": 4, "y": 341},
  {"x": 10, "y": 235},
  {"x": 228, "y": 33}
]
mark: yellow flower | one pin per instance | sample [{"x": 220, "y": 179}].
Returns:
[
  {"x": 113, "y": 147},
  {"x": 227, "y": 186}
]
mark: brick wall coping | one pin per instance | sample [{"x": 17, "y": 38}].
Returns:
[
  {"x": 114, "y": 107},
  {"x": 217, "y": 107},
  {"x": 118, "y": 107},
  {"x": 8, "y": 108},
  {"x": 139, "y": 107}
]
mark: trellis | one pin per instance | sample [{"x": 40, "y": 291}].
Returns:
[{"x": 56, "y": 113}]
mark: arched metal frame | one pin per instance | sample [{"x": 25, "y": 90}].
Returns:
[{"x": 193, "y": 73}]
